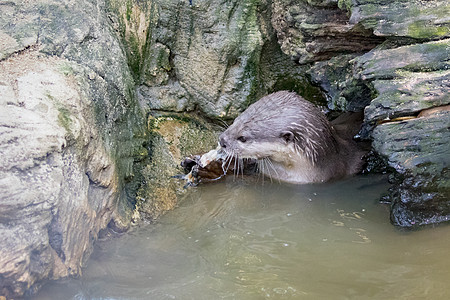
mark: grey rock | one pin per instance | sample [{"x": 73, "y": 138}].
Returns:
[
  {"x": 51, "y": 168},
  {"x": 418, "y": 151},
  {"x": 335, "y": 77},
  {"x": 407, "y": 79},
  {"x": 311, "y": 31},
  {"x": 209, "y": 57},
  {"x": 412, "y": 19},
  {"x": 71, "y": 136}
]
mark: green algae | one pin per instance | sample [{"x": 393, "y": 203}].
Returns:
[{"x": 423, "y": 30}]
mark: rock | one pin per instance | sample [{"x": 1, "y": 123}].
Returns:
[
  {"x": 158, "y": 66},
  {"x": 336, "y": 78},
  {"x": 216, "y": 58},
  {"x": 418, "y": 150},
  {"x": 406, "y": 19},
  {"x": 176, "y": 35},
  {"x": 72, "y": 135},
  {"x": 173, "y": 137},
  {"x": 407, "y": 79},
  {"x": 54, "y": 174},
  {"x": 317, "y": 30}
]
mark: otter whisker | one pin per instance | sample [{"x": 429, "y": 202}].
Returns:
[
  {"x": 261, "y": 169},
  {"x": 236, "y": 166},
  {"x": 270, "y": 163},
  {"x": 268, "y": 170},
  {"x": 224, "y": 163},
  {"x": 264, "y": 169},
  {"x": 241, "y": 166},
  {"x": 229, "y": 158}
]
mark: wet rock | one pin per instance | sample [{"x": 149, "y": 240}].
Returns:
[
  {"x": 409, "y": 80},
  {"x": 418, "y": 151},
  {"x": 344, "y": 92},
  {"x": 211, "y": 57},
  {"x": 207, "y": 52},
  {"x": 71, "y": 137},
  {"x": 401, "y": 78},
  {"x": 172, "y": 137},
  {"x": 54, "y": 174}
]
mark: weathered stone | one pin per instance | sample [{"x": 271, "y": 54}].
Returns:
[
  {"x": 215, "y": 52},
  {"x": 157, "y": 67},
  {"x": 18, "y": 28},
  {"x": 407, "y": 79},
  {"x": 318, "y": 30},
  {"x": 415, "y": 19},
  {"x": 71, "y": 136},
  {"x": 173, "y": 137},
  {"x": 336, "y": 79},
  {"x": 418, "y": 150},
  {"x": 54, "y": 174},
  {"x": 212, "y": 58}
]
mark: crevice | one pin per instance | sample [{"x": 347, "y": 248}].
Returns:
[
  {"x": 29, "y": 48},
  {"x": 55, "y": 237}
]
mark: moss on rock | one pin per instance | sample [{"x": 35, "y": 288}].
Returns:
[{"x": 172, "y": 137}]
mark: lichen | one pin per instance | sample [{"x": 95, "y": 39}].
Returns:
[
  {"x": 66, "y": 69},
  {"x": 423, "y": 30},
  {"x": 64, "y": 118},
  {"x": 171, "y": 138},
  {"x": 345, "y": 5},
  {"x": 136, "y": 35}
]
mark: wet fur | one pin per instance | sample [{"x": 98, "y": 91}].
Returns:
[{"x": 292, "y": 140}]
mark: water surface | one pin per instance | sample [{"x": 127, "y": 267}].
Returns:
[{"x": 245, "y": 240}]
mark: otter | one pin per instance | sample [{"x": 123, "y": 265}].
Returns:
[{"x": 292, "y": 141}]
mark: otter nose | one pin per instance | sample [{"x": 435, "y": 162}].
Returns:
[{"x": 222, "y": 142}]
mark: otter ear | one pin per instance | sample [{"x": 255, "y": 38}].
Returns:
[{"x": 287, "y": 136}]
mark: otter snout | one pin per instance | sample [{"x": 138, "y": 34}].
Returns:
[{"x": 222, "y": 141}]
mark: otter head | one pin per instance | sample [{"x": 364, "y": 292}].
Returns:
[
  {"x": 280, "y": 127},
  {"x": 256, "y": 139}
]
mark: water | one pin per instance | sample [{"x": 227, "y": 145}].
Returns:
[{"x": 245, "y": 240}]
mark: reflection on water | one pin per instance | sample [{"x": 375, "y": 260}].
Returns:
[{"x": 238, "y": 240}]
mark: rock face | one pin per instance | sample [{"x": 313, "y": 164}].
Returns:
[
  {"x": 418, "y": 151},
  {"x": 54, "y": 171},
  {"x": 70, "y": 133},
  {"x": 210, "y": 57},
  {"x": 319, "y": 30}
]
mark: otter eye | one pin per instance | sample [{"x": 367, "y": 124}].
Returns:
[
  {"x": 287, "y": 136},
  {"x": 242, "y": 139}
]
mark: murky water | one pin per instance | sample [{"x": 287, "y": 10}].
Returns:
[{"x": 238, "y": 240}]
